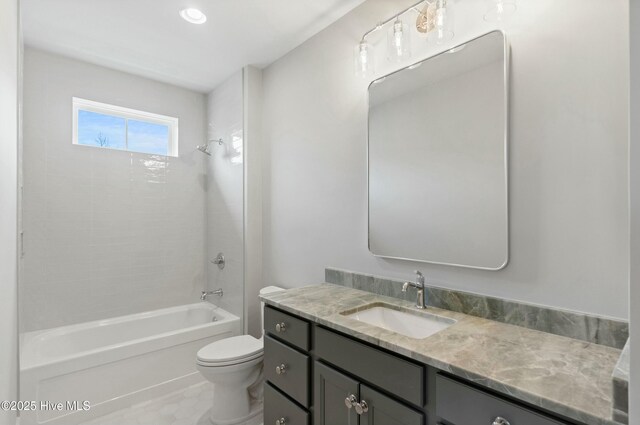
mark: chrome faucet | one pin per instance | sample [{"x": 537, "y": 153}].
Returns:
[
  {"x": 205, "y": 294},
  {"x": 419, "y": 285}
]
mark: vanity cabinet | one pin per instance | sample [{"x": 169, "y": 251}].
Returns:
[
  {"x": 341, "y": 400},
  {"x": 317, "y": 376},
  {"x": 461, "y": 404},
  {"x": 287, "y": 369}
]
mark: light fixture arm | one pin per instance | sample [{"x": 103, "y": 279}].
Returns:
[{"x": 393, "y": 18}]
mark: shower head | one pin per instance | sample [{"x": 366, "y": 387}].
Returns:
[{"x": 205, "y": 148}]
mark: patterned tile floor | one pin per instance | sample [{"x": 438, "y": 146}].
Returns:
[{"x": 189, "y": 406}]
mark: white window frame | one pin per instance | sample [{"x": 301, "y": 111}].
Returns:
[{"x": 126, "y": 113}]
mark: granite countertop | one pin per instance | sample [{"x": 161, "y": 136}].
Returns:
[
  {"x": 620, "y": 378},
  {"x": 566, "y": 376}
]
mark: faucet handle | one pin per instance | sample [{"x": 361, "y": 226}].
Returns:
[{"x": 420, "y": 276}]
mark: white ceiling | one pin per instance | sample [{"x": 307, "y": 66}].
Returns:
[{"x": 149, "y": 38}]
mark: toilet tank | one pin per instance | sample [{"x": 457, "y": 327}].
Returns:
[{"x": 264, "y": 291}]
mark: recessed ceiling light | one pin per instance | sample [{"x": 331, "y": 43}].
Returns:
[{"x": 193, "y": 15}]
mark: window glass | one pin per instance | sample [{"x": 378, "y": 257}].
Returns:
[
  {"x": 147, "y": 137},
  {"x": 101, "y": 130},
  {"x": 116, "y": 127}
]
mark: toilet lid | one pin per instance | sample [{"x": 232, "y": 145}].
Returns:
[{"x": 235, "y": 349}]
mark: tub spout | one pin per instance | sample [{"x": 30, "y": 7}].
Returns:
[{"x": 205, "y": 294}]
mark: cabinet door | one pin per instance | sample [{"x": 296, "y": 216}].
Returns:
[
  {"x": 331, "y": 388},
  {"x": 382, "y": 410}
]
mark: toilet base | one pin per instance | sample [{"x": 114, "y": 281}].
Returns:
[{"x": 253, "y": 418}]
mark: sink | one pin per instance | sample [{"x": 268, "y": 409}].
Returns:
[{"x": 416, "y": 325}]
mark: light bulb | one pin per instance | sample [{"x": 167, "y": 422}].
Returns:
[
  {"x": 443, "y": 23},
  {"x": 499, "y": 10},
  {"x": 363, "y": 59},
  {"x": 398, "y": 42}
]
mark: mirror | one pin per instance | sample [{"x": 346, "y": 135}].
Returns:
[{"x": 437, "y": 158}]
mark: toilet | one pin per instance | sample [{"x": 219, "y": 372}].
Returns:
[{"x": 234, "y": 367}]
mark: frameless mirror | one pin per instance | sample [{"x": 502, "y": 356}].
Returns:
[{"x": 437, "y": 158}]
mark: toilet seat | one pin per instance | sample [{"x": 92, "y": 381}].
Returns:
[{"x": 230, "y": 351}]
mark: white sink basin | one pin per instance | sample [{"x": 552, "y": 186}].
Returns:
[{"x": 419, "y": 325}]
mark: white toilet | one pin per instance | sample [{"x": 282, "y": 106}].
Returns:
[{"x": 233, "y": 365}]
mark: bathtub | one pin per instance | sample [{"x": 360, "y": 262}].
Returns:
[{"x": 117, "y": 362}]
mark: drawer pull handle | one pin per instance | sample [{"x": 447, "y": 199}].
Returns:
[
  {"x": 281, "y": 327},
  {"x": 280, "y": 370},
  {"x": 500, "y": 421},
  {"x": 363, "y": 407},
  {"x": 350, "y": 401},
  {"x": 281, "y": 421}
]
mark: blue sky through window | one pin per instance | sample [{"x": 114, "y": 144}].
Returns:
[
  {"x": 148, "y": 137},
  {"x": 108, "y": 131},
  {"x": 96, "y": 129}
]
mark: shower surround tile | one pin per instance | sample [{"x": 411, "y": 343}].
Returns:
[
  {"x": 594, "y": 329},
  {"x": 106, "y": 232}
]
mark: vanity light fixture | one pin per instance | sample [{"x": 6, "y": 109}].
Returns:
[
  {"x": 194, "y": 16},
  {"x": 442, "y": 30},
  {"x": 363, "y": 59},
  {"x": 398, "y": 41},
  {"x": 499, "y": 10},
  {"x": 435, "y": 20}
]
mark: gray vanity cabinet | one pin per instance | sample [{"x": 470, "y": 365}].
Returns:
[
  {"x": 287, "y": 369},
  {"x": 341, "y": 400},
  {"x": 461, "y": 404},
  {"x": 331, "y": 390},
  {"x": 317, "y": 376}
]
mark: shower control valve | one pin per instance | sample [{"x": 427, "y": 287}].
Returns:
[{"x": 219, "y": 260}]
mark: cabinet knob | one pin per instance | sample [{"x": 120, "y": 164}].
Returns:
[
  {"x": 280, "y": 370},
  {"x": 350, "y": 401},
  {"x": 281, "y": 327},
  {"x": 281, "y": 421},
  {"x": 500, "y": 421},
  {"x": 363, "y": 407}
]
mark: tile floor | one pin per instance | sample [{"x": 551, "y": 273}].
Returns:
[{"x": 189, "y": 406}]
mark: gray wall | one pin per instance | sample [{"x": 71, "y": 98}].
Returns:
[
  {"x": 8, "y": 205},
  {"x": 568, "y": 159},
  {"x": 634, "y": 396},
  {"x": 107, "y": 232}
]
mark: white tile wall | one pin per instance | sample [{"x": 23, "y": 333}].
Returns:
[
  {"x": 107, "y": 232},
  {"x": 225, "y": 182}
]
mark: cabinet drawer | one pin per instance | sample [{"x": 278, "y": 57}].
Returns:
[
  {"x": 286, "y": 327},
  {"x": 277, "y": 406},
  {"x": 294, "y": 379},
  {"x": 400, "y": 377},
  {"x": 463, "y": 405}
]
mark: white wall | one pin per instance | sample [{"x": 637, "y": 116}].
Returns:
[
  {"x": 568, "y": 159},
  {"x": 225, "y": 192},
  {"x": 8, "y": 205},
  {"x": 106, "y": 232},
  {"x": 253, "y": 197},
  {"x": 634, "y": 299}
]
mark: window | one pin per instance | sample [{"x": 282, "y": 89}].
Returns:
[{"x": 114, "y": 127}]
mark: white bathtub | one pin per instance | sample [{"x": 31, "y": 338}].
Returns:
[{"x": 116, "y": 362}]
